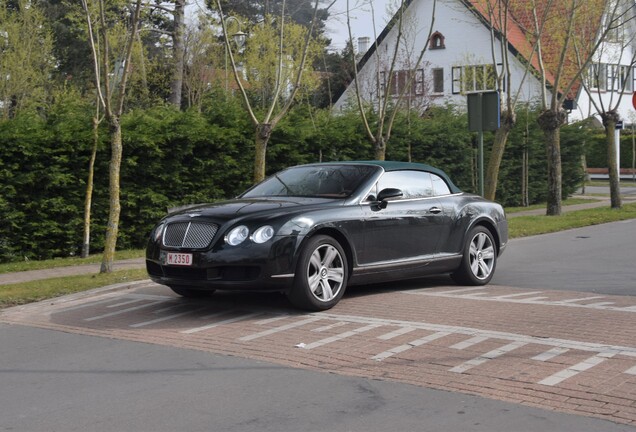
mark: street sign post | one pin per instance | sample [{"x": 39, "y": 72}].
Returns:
[{"x": 484, "y": 113}]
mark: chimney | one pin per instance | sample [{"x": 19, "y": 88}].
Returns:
[{"x": 363, "y": 44}]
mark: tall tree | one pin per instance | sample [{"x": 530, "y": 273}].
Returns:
[
  {"x": 500, "y": 14},
  {"x": 611, "y": 75},
  {"x": 283, "y": 93},
  {"x": 387, "y": 77},
  {"x": 175, "y": 28},
  {"x": 298, "y": 11},
  {"x": 111, "y": 83},
  {"x": 26, "y": 58},
  {"x": 556, "y": 33}
]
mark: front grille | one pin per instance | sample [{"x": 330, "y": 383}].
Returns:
[{"x": 191, "y": 235}]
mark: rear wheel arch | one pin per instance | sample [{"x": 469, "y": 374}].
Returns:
[{"x": 490, "y": 226}]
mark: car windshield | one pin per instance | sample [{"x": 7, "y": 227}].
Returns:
[{"x": 325, "y": 181}]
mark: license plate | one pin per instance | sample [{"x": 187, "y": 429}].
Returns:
[{"x": 179, "y": 259}]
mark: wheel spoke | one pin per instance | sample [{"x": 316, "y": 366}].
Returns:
[
  {"x": 315, "y": 262},
  {"x": 481, "y": 239},
  {"x": 488, "y": 253},
  {"x": 314, "y": 282},
  {"x": 327, "y": 293},
  {"x": 485, "y": 269},
  {"x": 474, "y": 266},
  {"x": 336, "y": 275},
  {"x": 330, "y": 255}
]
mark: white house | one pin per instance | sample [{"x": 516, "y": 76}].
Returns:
[{"x": 461, "y": 58}]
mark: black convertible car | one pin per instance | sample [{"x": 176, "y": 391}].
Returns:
[{"x": 311, "y": 230}]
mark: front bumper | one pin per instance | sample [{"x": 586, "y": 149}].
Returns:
[{"x": 254, "y": 267}]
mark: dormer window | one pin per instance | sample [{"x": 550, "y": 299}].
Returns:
[{"x": 437, "y": 41}]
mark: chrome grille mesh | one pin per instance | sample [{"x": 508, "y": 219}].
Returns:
[{"x": 192, "y": 235}]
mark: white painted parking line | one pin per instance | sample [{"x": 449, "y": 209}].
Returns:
[
  {"x": 340, "y": 336},
  {"x": 166, "y": 318},
  {"x": 396, "y": 333},
  {"x": 273, "y": 319},
  {"x": 550, "y": 354},
  {"x": 576, "y": 369},
  {"x": 220, "y": 323},
  {"x": 123, "y": 311},
  {"x": 631, "y": 371},
  {"x": 486, "y": 357},
  {"x": 125, "y": 303},
  {"x": 521, "y": 298},
  {"x": 575, "y": 300},
  {"x": 531, "y": 299},
  {"x": 329, "y": 327},
  {"x": 217, "y": 314},
  {"x": 279, "y": 329},
  {"x": 599, "y": 304},
  {"x": 523, "y": 294},
  {"x": 458, "y": 290},
  {"x": 470, "y": 342},
  {"x": 418, "y": 342}
]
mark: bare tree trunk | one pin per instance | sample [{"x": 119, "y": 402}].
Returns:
[
  {"x": 176, "y": 84},
  {"x": 263, "y": 134},
  {"x": 379, "y": 146},
  {"x": 112, "y": 228},
  {"x": 550, "y": 123},
  {"x": 496, "y": 155},
  {"x": 89, "y": 191},
  {"x": 609, "y": 121}
]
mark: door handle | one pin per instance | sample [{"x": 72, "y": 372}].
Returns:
[{"x": 435, "y": 210}]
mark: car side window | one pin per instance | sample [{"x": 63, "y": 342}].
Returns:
[
  {"x": 439, "y": 186},
  {"x": 413, "y": 184}
]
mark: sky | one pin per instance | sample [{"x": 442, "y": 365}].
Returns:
[
  {"x": 361, "y": 20},
  {"x": 360, "y": 13}
]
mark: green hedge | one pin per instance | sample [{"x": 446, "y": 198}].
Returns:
[{"x": 173, "y": 158}]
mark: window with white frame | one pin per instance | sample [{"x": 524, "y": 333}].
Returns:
[
  {"x": 474, "y": 78},
  {"x": 611, "y": 77}
]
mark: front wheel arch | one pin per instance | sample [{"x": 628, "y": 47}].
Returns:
[
  {"x": 322, "y": 273},
  {"x": 336, "y": 235}
]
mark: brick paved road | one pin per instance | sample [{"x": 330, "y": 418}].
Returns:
[{"x": 567, "y": 351}]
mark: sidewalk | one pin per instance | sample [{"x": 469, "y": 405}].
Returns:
[{"x": 31, "y": 275}]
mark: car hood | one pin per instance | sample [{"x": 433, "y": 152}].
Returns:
[{"x": 257, "y": 207}]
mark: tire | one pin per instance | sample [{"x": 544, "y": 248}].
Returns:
[
  {"x": 479, "y": 259},
  {"x": 184, "y": 291},
  {"x": 321, "y": 275}
]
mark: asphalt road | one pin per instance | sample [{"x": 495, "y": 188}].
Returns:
[
  {"x": 599, "y": 259},
  {"x": 55, "y": 381}
]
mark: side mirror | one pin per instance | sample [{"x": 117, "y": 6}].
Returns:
[{"x": 386, "y": 194}]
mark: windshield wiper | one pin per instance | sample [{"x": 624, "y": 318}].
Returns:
[{"x": 289, "y": 191}]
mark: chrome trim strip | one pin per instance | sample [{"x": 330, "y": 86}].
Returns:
[
  {"x": 185, "y": 235},
  {"x": 291, "y": 275},
  {"x": 415, "y": 260}
]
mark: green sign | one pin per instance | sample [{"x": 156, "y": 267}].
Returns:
[{"x": 483, "y": 111}]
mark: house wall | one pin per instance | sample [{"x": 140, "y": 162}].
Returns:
[
  {"x": 609, "y": 54},
  {"x": 467, "y": 42}
]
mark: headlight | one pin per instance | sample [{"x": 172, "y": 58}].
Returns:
[
  {"x": 158, "y": 232},
  {"x": 263, "y": 234},
  {"x": 237, "y": 235}
]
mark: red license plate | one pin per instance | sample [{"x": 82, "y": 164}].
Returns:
[{"x": 179, "y": 259}]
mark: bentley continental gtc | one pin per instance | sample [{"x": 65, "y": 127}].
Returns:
[{"x": 312, "y": 230}]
